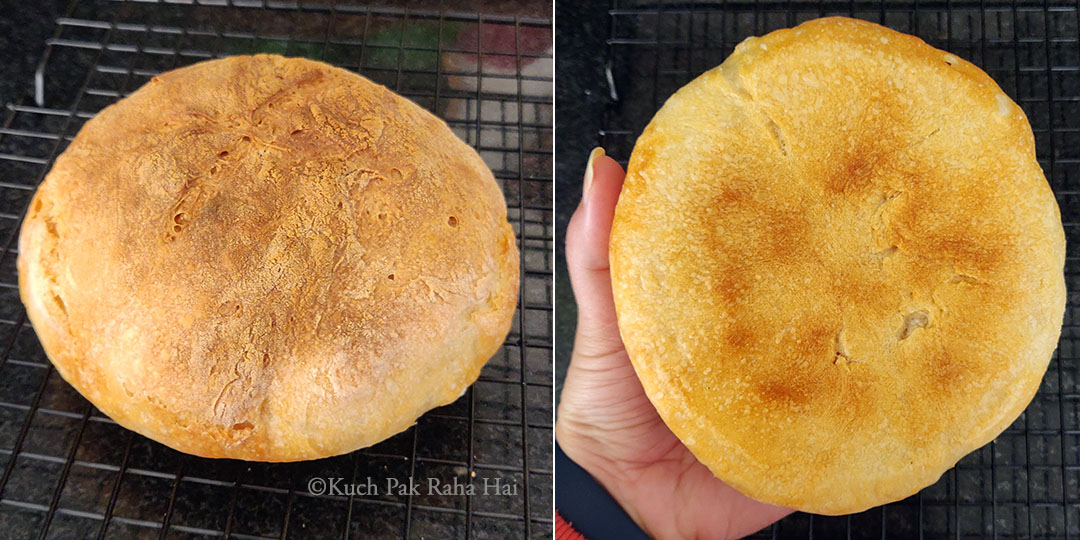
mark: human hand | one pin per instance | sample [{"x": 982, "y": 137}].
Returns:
[{"x": 606, "y": 423}]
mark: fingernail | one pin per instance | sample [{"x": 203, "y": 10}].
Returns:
[{"x": 596, "y": 153}]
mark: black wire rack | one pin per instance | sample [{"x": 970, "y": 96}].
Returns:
[
  {"x": 70, "y": 472},
  {"x": 1025, "y": 484}
]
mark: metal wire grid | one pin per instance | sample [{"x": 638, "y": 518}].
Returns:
[
  {"x": 1025, "y": 484},
  {"x": 71, "y": 472}
]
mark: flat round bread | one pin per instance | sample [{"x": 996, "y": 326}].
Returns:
[
  {"x": 837, "y": 265},
  {"x": 268, "y": 259}
]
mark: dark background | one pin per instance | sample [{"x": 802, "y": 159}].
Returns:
[
  {"x": 23, "y": 29},
  {"x": 581, "y": 97}
]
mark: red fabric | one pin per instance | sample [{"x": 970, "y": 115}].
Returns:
[
  {"x": 500, "y": 43},
  {"x": 564, "y": 530}
]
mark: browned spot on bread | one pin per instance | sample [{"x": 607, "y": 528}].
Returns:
[
  {"x": 968, "y": 251},
  {"x": 816, "y": 345},
  {"x": 783, "y": 392},
  {"x": 956, "y": 243},
  {"x": 949, "y": 373},
  {"x": 729, "y": 284},
  {"x": 741, "y": 336},
  {"x": 732, "y": 194},
  {"x": 741, "y": 220},
  {"x": 853, "y": 176},
  {"x": 787, "y": 235}
]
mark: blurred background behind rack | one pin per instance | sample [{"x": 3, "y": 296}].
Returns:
[
  {"x": 618, "y": 62},
  {"x": 485, "y": 68}
]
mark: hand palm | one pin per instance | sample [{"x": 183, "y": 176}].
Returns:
[
  {"x": 607, "y": 424},
  {"x": 659, "y": 482}
]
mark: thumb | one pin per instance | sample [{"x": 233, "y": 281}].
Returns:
[{"x": 587, "y": 238}]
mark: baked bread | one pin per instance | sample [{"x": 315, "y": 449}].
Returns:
[
  {"x": 837, "y": 265},
  {"x": 268, "y": 259}
]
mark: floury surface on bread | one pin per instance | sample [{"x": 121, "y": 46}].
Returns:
[
  {"x": 837, "y": 265},
  {"x": 268, "y": 259}
]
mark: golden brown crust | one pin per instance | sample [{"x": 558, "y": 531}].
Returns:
[
  {"x": 837, "y": 265},
  {"x": 268, "y": 259}
]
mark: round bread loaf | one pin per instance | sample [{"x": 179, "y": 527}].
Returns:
[
  {"x": 268, "y": 259},
  {"x": 837, "y": 265}
]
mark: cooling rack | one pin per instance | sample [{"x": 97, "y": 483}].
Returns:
[
  {"x": 1025, "y": 484},
  {"x": 70, "y": 472}
]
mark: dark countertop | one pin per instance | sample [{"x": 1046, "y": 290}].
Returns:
[
  {"x": 581, "y": 96},
  {"x": 24, "y": 26}
]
